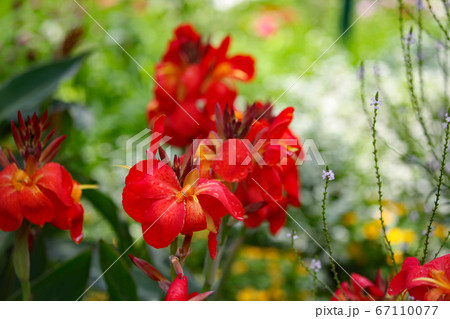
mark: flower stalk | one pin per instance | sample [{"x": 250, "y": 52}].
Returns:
[
  {"x": 378, "y": 176},
  {"x": 21, "y": 259},
  {"x": 438, "y": 194}
]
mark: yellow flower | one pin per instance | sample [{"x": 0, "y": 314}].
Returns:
[
  {"x": 389, "y": 217},
  {"x": 240, "y": 267},
  {"x": 277, "y": 294},
  {"x": 398, "y": 209},
  {"x": 441, "y": 231},
  {"x": 271, "y": 253},
  {"x": 349, "y": 218},
  {"x": 372, "y": 229},
  {"x": 395, "y": 235},
  {"x": 249, "y": 294},
  {"x": 409, "y": 236},
  {"x": 252, "y": 252},
  {"x": 301, "y": 270},
  {"x": 398, "y": 256}
]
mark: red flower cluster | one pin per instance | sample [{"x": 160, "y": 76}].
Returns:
[
  {"x": 177, "y": 290},
  {"x": 42, "y": 191},
  {"x": 258, "y": 151},
  {"x": 169, "y": 200},
  {"x": 430, "y": 282},
  {"x": 253, "y": 149},
  {"x": 361, "y": 289},
  {"x": 192, "y": 77}
]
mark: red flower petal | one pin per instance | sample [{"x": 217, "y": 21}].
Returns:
[
  {"x": 360, "y": 282},
  {"x": 291, "y": 182},
  {"x": 399, "y": 283},
  {"x": 10, "y": 210},
  {"x": 164, "y": 221},
  {"x": 268, "y": 181},
  {"x": 217, "y": 200},
  {"x": 56, "y": 179},
  {"x": 178, "y": 290},
  {"x": 212, "y": 245},
  {"x": 135, "y": 206},
  {"x": 195, "y": 218},
  {"x": 245, "y": 64},
  {"x": 36, "y": 207},
  {"x": 75, "y": 216},
  {"x": 235, "y": 162},
  {"x": 147, "y": 269},
  {"x": 281, "y": 123},
  {"x": 157, "y": 135},
  {"x": 276, "y": 216},
  {"x": 195, "y": 296},
  {"x": 152, "y": 179}
]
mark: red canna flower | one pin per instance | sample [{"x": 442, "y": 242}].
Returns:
[
  {"x": 43, "y": 192},
  {"x": 361, "y": 289},
  {"x": 430, "y": 282},
  {"x": 195, "y": 75},
  {"x": 175, "y": 291},
  {"x": 169, "y": 200},
  {"x": 260, "y": 152}
]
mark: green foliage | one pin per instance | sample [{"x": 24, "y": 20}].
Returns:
[
  {"x": 121, "y": 285},
  {"x": 27, "y": 91},
  {"x": 65, "y": 282}
]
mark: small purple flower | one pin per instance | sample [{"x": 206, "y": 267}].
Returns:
[
  {"x": 328, "y": 174},
  {"x": 409, "y": 39},
  {"x": 375, "y": 103},
  {"x": 431, "y": 233},
  {"x": 447, "y": 120},
  {"x": 293, "y": 235},
  {"x": 315, "y": 265},
  {"x": 420, "y": 5}
]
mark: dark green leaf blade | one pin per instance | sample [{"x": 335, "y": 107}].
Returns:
[
  {"x": 109, "y": 211},
  {"x": 27, "y": 90},
  {"x": 118, "y": 278},
  {"x": 65, "y": 283}
]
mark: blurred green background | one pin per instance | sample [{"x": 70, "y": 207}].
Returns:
[{"x": 103, "y": 105}]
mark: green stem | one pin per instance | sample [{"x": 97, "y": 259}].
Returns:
[
  {"x": 362, "y": 86},
  {"x": 378, "y": 176},
  {"x": 173, "y": 251},
  {"x": 327, "y": 235},
  {"x": 444, "y": 30},
  {"x": 438, "y": 194},
  {"x": 232, "y": 253},
  {"x": 442, "y": 245},
  {"x": 313, "y": 273},
  {"x": 21, "y": 259},
  {"x": 211, "y": 265}
]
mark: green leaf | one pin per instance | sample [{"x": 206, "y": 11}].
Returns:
[
  {"x": 110, "y": 212},
  {"x": 121, "y": 285},
  {"x": 26, "y": 91},
  {"x": 67, "y": 282}
]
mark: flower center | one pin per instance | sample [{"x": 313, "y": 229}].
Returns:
[
  {"x": 185, "y": 193},
  {"x": 438, "y": 279},
  {"x": 21, "y": 180}
]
